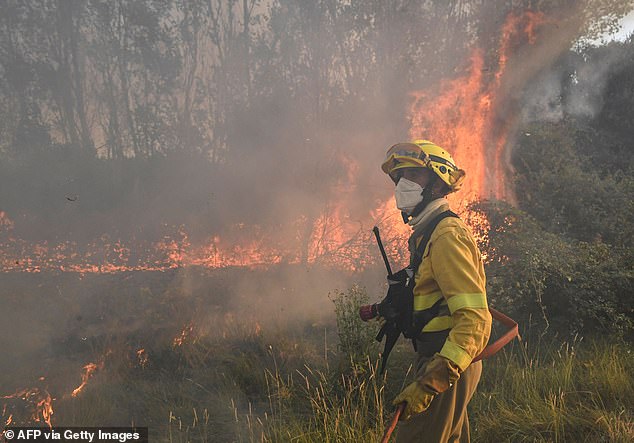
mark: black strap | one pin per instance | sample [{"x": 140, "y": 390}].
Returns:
[
  {"x": 389, "y": 331},
  {"x": 422, "y": 318},
  {"x": 417, "y": 257},
  {"x": 391, "y": 334}
]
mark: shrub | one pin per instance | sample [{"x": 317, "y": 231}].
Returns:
[
  {"x": 356, "y": 337},
  {"x": 571, "y": 286}
]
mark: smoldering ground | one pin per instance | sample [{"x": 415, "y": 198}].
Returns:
[{"x": 188, "y": 327}]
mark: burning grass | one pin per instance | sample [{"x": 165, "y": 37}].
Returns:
[
  {"x": 468, "y": 114},
  {"x": 245, "y": 379}
]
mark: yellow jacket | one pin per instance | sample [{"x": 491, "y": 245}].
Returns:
[{"x": 452, "y": 269}]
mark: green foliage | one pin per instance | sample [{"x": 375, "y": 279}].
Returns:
[
  {"x": 548, "y": 392},
  {"x": 618, "y": 97},
  {"x": 532, "y": 391},
  {"x": 356, "y": 337},
  {"x": 564, "y": 259},
  {"x": 538, "y": 390},
  {"x": 585, "y": 196},
  {"x": 560, "y": 283},
  {"x": 355, "y": 414}
]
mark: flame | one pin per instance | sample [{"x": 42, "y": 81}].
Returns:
[
  {"x": 88, "y": 372},
  {"x": 40, "y": 401},
  {"x": 464, "y": 116},
  {"x": 142, "y": 357},
  {"x": 480, "y": 226},
  {"x": 183, "y": 336},
  {"x": 332, "y": 240},
  {"x": 468, "y": 117},
  {"x": 45, "y": 406}
]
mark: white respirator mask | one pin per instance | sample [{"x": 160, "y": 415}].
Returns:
[{"x": 408, "y": 194}]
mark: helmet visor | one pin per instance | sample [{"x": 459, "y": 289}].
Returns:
[
  {"x": 409, "y": 150},
  {"x": 404, "y": 155}
]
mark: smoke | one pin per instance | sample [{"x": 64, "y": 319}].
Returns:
[
  {"x": 567, "y": 75},
  {"x": 574, "y": 86},
  {"x": 278, "y": 165}
]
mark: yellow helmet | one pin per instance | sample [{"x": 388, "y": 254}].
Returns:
[{"x": 424, "y": 154}]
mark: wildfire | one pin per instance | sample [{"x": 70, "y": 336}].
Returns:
[
  {"x": 41, "y": 403},
  {"x": 183, "y": 336},
  {"x": 466, "y": 116},
  {"x": 142, "y": 358},
  {"x": 480, "y": 226},
  {"x": 45, "y": 407},
  {"x": 88, "y": 372}
]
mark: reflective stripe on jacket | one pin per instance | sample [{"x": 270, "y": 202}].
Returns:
[{"x": 452, "y": 268}]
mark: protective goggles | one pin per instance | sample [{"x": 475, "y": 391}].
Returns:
[
  {"x": 404, "y": 155},
  {"x": 407, "y": 150}
]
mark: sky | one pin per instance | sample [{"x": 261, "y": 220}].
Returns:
[{"x": 627, "y": 27}]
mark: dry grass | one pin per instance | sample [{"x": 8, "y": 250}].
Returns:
[{"x": 294, "y": 384}]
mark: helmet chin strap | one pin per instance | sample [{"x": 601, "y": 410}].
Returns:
[{"x": 427, "y": 199}]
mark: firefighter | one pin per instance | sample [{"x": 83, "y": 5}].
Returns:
[{"x": 451, "y": 270}]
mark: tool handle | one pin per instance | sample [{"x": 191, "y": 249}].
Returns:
[
  {"x": 382, "y": 249},
  {"x": 393, "y": 422}
]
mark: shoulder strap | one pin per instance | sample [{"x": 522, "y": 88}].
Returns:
[
  {"x": 391, "y": 331},
  {"x": 423, "y": 317},
  {"x": 417, "y": 257}
]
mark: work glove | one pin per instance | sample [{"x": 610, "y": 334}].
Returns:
[
  {"x": 417, "y": 400},
  {"x": 440, "y": 374}
]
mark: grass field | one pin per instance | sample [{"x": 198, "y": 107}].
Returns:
[{"x": 317, "y": 382}]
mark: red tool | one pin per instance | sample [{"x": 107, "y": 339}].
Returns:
[{"x": 393, "y": 423}]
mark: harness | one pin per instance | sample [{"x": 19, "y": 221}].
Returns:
[{"x": 397, "y": 308}]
